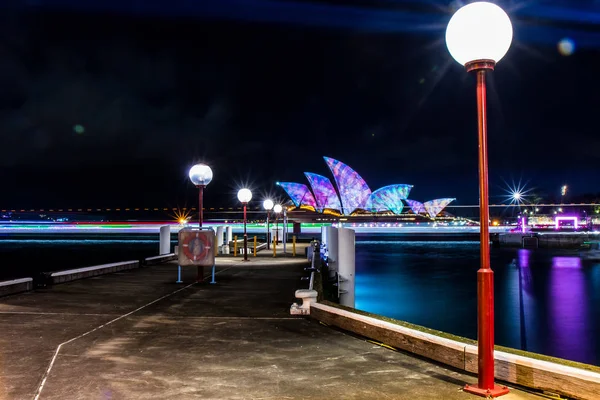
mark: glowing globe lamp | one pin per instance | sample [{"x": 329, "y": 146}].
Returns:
[
  {"x": 479, "y": 32},
  {"x": 277, "y": 208},
  {"x": 244, "y": 195},
  {"x": 268, "y": 204},
  {"x": 200, "y": 174}
]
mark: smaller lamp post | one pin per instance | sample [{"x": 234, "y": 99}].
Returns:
[
  {"x": 277, "y": 209},
  {"x": 200, "y": 175},
  {"x": 244, "y": 196},
  {"x": 268, "y": 205}
]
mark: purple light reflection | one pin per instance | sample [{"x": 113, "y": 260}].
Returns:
[
  {"x": 566, "y": 262},
  {"x": 570, "y": 323}
]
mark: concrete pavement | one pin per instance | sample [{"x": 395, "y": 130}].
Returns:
[{"x": 139, "y": 335}]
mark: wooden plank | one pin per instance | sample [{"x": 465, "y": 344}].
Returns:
[
  {"x": 423, "y": 344},
  {"x": 561, "y": 379},
  {"x": 576, "y": 383}
]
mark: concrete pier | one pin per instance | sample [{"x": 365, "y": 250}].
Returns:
[{"x": 138, "y": 335}]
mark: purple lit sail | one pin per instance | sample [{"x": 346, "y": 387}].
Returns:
[
  {"x": 416, "y": 206},
  {"x": 434, "y": 207},
  {"x": 389, "y": 198},
  {"x": 354, "y": 191},
  {"x": 325, "y": 194},
  {"x": 299, "y": 193}
]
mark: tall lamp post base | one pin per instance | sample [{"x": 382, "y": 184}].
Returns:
[{"x": 496, "y": 391}]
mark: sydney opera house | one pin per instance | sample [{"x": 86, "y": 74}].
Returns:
[{"x": 354, "y": 197}]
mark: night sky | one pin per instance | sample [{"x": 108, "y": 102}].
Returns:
[{"x": 108, "y": 103}]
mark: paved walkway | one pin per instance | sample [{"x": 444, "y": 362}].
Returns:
[{"x": 139, "y": 335}]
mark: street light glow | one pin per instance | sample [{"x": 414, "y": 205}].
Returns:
[
  {"x": 244, "y": 195},
  {"x": 268, "y": 204},
  {"x": 479, "y": 31},
  {"x": 200, "y": 174},
  {"x": 277, "y": 208}
]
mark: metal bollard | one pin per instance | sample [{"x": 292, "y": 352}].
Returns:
[
  {"x": 254, "y": 246},
  {"x": 294, "y": 246},
  {"x": 235, "y": 246},
  {"x": 274, "y": 249}
]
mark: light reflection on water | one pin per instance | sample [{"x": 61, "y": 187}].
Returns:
[{"x": 546, "y": 301}]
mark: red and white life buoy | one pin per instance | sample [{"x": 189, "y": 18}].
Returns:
[{"x": 196, "y": 247}]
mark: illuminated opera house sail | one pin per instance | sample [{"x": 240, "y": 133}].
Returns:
[{"x": 353, "y": 195}]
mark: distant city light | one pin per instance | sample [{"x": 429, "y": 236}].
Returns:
[
  {"x": 563, "y": 190},
  {"x": 516, "y": 193},
  {"x": 566, "y": 46},
  {"x": 558, "y": 220}
]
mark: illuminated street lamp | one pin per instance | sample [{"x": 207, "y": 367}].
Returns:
[
  {"x": 478, "y": 36},
  {"x": 200, "y": 175},
  {"x": 244, "y": 196},
  {"x": 277, "y": 209},
  {"x": 268, "y": 205}
]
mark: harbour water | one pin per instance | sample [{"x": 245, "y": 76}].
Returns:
[
  {"x": 30, "y": 255},
  {"x": 546, "y": 301}
]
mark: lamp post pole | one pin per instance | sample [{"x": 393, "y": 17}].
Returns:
[
  {"x": 268, "y": 205},
  {"x": 268, "y": 245},
  {"x": 478, "y": 36},
  {"x": 277, "y": 209},
  {"x": 200, "y": 175},
  {"x": 245, "y": 236},
  {"x": 200, "y": 206},
  {"x": 485, "y": 275},
  {"x": 244, "y": 196}
]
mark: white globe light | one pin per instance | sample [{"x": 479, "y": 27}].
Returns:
[
  {"x": 479, "y": 31},
  {"x": 277, "y": 208},
  {"x": 200, "y": 174},
  {"x": 244, "y": 195},
  {"x": 268, "y": 204}
]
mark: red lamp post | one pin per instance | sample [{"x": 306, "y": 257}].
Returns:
[
  {"x": 244, "y": 196},
  {"x": 200, "y": 175},
  {"x": 479, "y": 35},
  {"x": 268, "y": 205}
]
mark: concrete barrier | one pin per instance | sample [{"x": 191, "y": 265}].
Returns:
[
  {"x": 571, "y": 379},
  {"x": 160, "y": 259},
  {"x": 87, "y": 272},
  {"x": 15, "y": 286}
]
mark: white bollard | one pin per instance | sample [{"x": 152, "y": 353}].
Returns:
[
  {"x": 332, "y": 249},
  {"x": 277, "y": 234},
  {"x": 229, "y": 234},
  {"x": 220, "y": 238},
  {"x": 346, "y": 266},
  {"x": 323, "y": 237},
  {"x": 165, "y": 240}
]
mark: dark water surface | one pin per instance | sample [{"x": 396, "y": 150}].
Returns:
[
  {"x": 28, "y": 256},
  {"x": 547, "y": 301}
]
